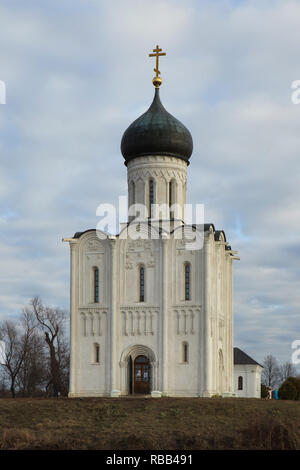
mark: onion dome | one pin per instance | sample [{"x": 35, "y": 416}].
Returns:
[{"x": 156, "y": 132}]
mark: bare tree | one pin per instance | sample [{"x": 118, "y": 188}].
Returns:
[
  {"x": 286, "y": 370},
  {"x": 270, "y": 373},
  {"x": 33, "y": 372},
  {"x": 17, "y": 343},
  {"x": 3, "y": 389},
  {"x": 51, "y": 322}
]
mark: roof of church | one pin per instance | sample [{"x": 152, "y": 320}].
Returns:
[
  {"x": 242, "y": 358},
  {"x": 206, "y": 228},
  {"x": 78, "y": 234},
  {"x": 156, "y": 132},
  {"x": 218, "y": 234}
]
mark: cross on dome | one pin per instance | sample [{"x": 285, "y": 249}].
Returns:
[{"x": 157, "y": 81}]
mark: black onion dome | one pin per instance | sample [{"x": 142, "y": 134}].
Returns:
[{"x": 156, "y": 132}]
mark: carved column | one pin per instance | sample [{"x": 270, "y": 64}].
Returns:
[
  {"x": 154, "y": 380},
  {"x": 207, "y": 319},
  {"x": 124, "y": 380},
  {"x": 73, "y": 318},
  {"x": 113, "y": 337},
  {"x": 164, "y": 317}
]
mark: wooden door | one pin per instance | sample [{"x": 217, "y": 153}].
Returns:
[{"x": 141, "y": 375}]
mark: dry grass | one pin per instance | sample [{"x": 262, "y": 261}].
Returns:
[{"x": 144, "y": 423}]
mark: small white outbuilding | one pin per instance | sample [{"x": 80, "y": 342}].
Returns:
[{"x": 247, "y": 375}]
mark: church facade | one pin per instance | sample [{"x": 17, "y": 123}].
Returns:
[{"x": 150, "y": 313}]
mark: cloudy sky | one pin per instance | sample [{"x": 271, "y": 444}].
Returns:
[{"x": 77, "y": 74}]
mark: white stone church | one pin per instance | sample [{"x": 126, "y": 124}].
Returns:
[{"x": 150, "y": 315}]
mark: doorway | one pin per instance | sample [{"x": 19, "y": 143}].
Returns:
[{"x": 141, "y": 377}]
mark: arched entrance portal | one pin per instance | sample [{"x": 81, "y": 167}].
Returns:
[
  {"x": 139, "y": 370},
  {"x": 141, "y": 376}
]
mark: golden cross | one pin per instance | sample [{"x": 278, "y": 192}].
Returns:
[{"x": 157, "y": 54}]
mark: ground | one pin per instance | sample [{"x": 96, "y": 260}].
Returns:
[{"x": 149, "y": 423}]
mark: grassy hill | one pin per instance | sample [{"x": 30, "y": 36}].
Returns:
[{"x": 145, "y": 423}]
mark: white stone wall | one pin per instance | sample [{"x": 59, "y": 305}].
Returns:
[
  {"x": 162, "y": 323},
  {"x": 251, "y": 375},
  {"x": 158, "y": 327}
]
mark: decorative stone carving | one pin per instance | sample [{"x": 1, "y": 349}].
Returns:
[
  {"x": 150, "y": 264},
  {"x": 94, "y": 245},
  {"x": 92, "y": 323},
  {"x": 140, "y": 322},
  {"x": 185, "y": 322}
]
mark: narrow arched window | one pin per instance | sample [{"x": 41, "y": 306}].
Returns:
[
  {"x": 187, "y": 281},
  {"x": 96, "y": 285},
  {"x": 96, "y": 353},
  {"x": 171, "y": 191},
  {"x": 170, "y": 194},
  {"x": 185, "y": 352},
  {"x": 142, "y": 284},
  {"x": 151, "y": 197},
  {"x": 240, "y": 383},
  {"x": 132, "y": 193}
]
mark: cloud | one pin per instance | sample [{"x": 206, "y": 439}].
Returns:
[{"x": 77, "y": 74}]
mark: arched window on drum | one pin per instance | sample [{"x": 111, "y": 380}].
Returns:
[
  {"x": 172, "y": 198},
  {"x": 151, "y": 198}
]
